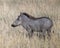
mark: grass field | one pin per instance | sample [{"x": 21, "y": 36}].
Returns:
[{"x": 16, "y": 37}]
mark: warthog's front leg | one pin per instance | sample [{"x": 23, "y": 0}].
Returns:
[{"x": 30, "y": 31}]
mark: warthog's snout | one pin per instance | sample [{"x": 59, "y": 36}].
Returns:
[{"x": 13, "y": 25}]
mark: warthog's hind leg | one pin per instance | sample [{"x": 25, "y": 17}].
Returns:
[
  {"x": 49, "y": 33},
  {"x": 44, "y": 33}
]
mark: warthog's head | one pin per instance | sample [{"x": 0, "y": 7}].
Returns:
[
  {"x": 23, "y": 17},
  {"x": 17, "y": 22}
]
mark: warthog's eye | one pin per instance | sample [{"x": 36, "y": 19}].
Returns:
[{"x": 17, "y": 18}]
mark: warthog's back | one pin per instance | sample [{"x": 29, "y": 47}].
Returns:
[{"x": 41, "y": 23}]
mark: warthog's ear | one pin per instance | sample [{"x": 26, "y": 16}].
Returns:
[{"x": 21, "y": 12}]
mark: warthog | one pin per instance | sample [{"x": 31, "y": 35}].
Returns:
[{"x": 31, "y": 24}]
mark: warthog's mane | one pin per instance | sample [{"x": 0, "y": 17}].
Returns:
[{"x": 31, "y": 17}]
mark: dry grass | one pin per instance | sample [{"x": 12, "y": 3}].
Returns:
[{"x": 15, "y": 37}]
